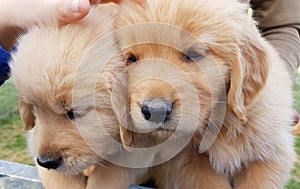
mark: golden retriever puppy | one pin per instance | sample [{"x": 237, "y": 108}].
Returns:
[
  {"x": 200, "y": 70},
  {"x": 64, "y": 75}
]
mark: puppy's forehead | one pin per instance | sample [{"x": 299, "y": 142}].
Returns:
[{"x": 177, "y": 22}]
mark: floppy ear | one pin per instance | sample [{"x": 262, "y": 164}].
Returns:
[
  {"x": 120, "y": 106},
  {"x": 249, "y": 72},
  {"x": 26, "y": 114}
]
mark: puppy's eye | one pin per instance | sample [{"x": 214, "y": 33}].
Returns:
[
  {"x": 71, "y": 114},
  {"x": 131, "y": 59},
  {"x": 192, "y": 55}
]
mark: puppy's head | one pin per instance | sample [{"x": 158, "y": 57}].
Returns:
[
  {"x": 64, "y": 76},
  {"x": 175, "y": 48}
]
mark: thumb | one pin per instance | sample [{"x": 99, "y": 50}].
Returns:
[{"x": 72, "y": 10}]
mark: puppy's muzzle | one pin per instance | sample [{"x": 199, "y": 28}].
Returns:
[
  {"x": 50, "y": 162},
  {"x": 157, "y": 110}
]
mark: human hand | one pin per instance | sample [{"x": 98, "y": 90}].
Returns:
[
  {"x": 23, "y": 13},
  {"x": 18, "y": 15}
]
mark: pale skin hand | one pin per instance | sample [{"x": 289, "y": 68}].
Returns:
[{"x": 17, "y": 15}]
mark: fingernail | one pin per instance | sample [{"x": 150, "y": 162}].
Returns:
[{"x": 75, "y": 5}]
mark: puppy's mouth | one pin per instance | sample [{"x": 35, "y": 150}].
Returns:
[
  {"x": 50, "y": 162},
  {"x": 165, "y": 129},
  {"x": 62, "y": 165}
]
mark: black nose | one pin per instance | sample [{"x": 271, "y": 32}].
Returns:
[
  {"x": 157, "y": 110},
  {"x": 50, "y": 163}
]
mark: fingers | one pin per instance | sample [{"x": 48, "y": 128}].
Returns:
[
  {"x": 73, "y": 10},
  {"x": 104, "y": 1},
  {"x": 114, "y": 1},
  {"x": 24, "y": 14}
]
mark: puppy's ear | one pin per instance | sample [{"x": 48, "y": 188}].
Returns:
[
  {"x": 26, "y": 113},
  {"x": 120, "y": 106},
  {"x": 249, "y": 72}
]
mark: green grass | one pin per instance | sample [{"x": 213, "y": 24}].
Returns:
[
  {"x": 13, "y": 140},
  {"x": 295, "y": 181},
  {"x": 8, "y": 100},
  {"x": 12, "y": 135}
]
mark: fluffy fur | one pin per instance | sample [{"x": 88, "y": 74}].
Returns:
[
  {"x": 64, "y": 75},
  {"x": 209, "y": 60}
]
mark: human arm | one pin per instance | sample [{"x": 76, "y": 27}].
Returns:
[{"x": 279, "y": 21}]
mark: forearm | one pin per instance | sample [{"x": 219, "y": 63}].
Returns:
[
  {"x": 286, "y": 41},
  {"x": 279, "y": 22},
  {"x": 16, "y": 16}
]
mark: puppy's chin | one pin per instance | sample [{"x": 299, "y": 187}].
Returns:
[
  {"x": 67, "y": 162},
  {"x": 160, "y": 132},
  {"x": 144, "y": 126},
  {"x": 75, "y": 167}
]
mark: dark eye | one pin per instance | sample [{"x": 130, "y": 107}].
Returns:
[
  {"x": 71, "y": 114},
  {"x": 131, "y": 58},
  {"x": 191, "y": 56}
]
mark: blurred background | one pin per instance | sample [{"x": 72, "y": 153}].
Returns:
[{"x": 13, "y": 137}]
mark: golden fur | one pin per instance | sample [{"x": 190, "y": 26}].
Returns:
[
  {"x": 62, "y": 71},
  {"x": 253, "y": 148}
]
